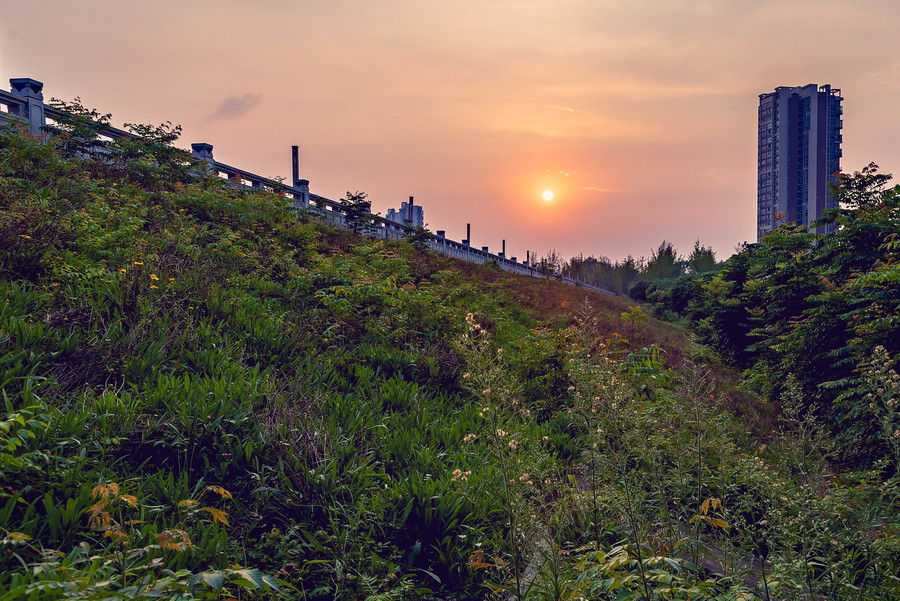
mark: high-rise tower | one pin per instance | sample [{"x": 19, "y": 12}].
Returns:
[{"x": 799, "y": 151}]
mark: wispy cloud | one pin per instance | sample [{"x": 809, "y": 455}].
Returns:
[
  {"x": 888, "y": 76},
  {"x": 720, "y": 175},
  {"x": 602, "y": 188},
  {"x": 234, "y": 107},
  {"x": 560, "y": 108}
]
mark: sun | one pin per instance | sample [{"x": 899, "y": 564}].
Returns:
[{"x": 548, "y": 195}]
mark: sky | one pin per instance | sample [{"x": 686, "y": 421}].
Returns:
[{"x": 639, "y": 115}]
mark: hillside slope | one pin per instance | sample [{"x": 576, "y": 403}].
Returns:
[{"x": 209, "y": 394}]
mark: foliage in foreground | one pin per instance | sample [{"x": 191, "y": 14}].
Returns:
[{"x": 208, "y": 395}]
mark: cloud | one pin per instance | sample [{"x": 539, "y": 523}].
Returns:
[
  {"x": 602, "y": 188},
  {"x": 560, "y": 108},
  {"x": 888, "y": 76},
  {"x": 234, "y": 107}
]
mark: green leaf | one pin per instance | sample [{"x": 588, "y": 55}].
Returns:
[
  {"x": 214, "y": 579},
  {"x": 253, "y": 576}
]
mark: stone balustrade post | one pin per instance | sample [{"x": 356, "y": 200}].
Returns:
[{"x": 32, "y": 91}]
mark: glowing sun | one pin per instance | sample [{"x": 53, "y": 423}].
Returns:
[{"x": 548, "y": 195}]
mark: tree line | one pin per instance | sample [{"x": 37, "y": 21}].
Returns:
[{"x": 621, "y": 276}]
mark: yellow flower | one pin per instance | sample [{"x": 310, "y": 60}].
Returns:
[
  {"x": 154, "y": 277},
  {"x": 138, "y": 262},
  {"x": 26, "y": 236},
  {"x": 152, "y": 287},
  {"x": 123, "y": 270}
]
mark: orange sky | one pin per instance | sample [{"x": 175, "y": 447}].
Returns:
[{"x": 640, "y": 115}]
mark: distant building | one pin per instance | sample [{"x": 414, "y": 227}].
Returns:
[
  {"x": 408, "y": 213},
  {"x": 799, "y": 151}
]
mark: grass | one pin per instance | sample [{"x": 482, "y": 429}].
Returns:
[{"x": 211, "y": 395}]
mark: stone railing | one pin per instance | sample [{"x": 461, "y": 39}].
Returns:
[{"x": 24, "y": 103}]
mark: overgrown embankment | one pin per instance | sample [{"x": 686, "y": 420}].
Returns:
[{"x": 210, "y": 395}]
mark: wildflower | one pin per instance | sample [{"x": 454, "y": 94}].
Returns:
[
  {"x": 513, "y": 445},
  {"x": 152, "y": 287},
  {"x": 523, "y": 477},
  {"x": 138, "y": 262},
  {"x": 466, "y": 376},
  {"x": 123, "y": 270},
  {"x": 486, "y": 391},
  {"x": 469, "y": 438},
  {"x": 501, "y": 433},
  {"x": 571, "y": 388},
  {"x": 458, "y": 474},
  {"x": 545, "y": 438},
  {"x": 154, "y": 277},
  {"x": 26, "y": 236}
]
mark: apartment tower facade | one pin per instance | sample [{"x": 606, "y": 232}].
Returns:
[{"x": 799, "y": 151}]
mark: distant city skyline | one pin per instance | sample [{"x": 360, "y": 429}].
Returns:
[
  {"x": 638, "y": 115},
  {"x": 408, "y": 212}
]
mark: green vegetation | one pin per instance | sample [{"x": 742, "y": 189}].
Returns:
[
  {"x": 208, "y": 394},
  {"x": 637, "y": 277},
  {"x": 816, "y": 318}
]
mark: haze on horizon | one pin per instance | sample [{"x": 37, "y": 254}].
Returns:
[{"x": 639, "y": 115}]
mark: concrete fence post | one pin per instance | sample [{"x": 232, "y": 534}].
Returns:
[
  {"x": 32, "y": 90},
  {"x": 303, "y": 184},
  {"x": 204, "y": 152}
]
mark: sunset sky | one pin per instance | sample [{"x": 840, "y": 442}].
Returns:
[{"x": 639, "y": 115}]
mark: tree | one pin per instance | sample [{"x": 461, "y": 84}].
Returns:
[
  {"x": 701, "y": 259},
  {"x": 77, "y": 129},
  {"x": 420, "y": 237},
  {"x": 550, "y": 264},
  {"x": 863, "y": 188},
  {"x": 358, "y": 213},
  {"x": 663, "y": 263},
  {"x": 625, "y": 273}
]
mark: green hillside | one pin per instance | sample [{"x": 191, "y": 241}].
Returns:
[{"x": 209, "y": 394}]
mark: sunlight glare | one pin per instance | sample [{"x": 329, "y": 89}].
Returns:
[{"x": 548, "y": 195}]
